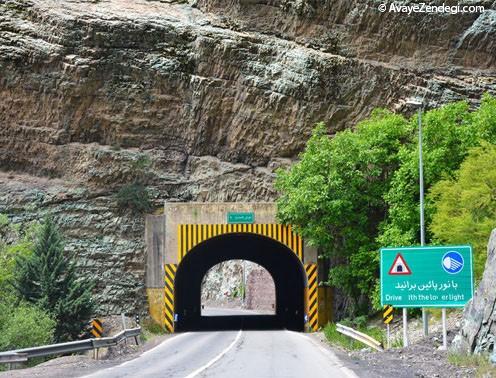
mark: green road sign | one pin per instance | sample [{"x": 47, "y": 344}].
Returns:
[
  {"x": 240, "y": 217},
  {"x": 426, "y": 276}
]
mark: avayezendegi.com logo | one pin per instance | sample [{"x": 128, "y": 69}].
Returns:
[{"x": 396, "y": 7}]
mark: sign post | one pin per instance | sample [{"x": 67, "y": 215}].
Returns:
[
  {"x": 405, "y": 327},
  {"x": 440, "y": 276},
  {"x": 445, "y": 331}
]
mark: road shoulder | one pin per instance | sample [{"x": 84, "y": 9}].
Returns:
[{"x": 81, "y": 365}]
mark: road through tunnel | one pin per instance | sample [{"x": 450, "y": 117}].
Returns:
[{"x": 280, "y": 261}]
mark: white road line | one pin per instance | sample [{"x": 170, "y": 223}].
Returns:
[
  {"x": 217, "y": 358},
  {"x": 348, "y": 372},
  {"x": 173, "y": 338}
]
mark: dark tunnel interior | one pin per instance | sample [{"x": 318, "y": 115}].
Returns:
[{"x": 282, "y": 263}]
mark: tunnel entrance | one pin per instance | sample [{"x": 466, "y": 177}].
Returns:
[
  {"x": 238, "y": 287},
  {"x": 281, "y": 262}
]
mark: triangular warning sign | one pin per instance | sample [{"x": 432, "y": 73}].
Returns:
[{"x": 399, "y": 266}]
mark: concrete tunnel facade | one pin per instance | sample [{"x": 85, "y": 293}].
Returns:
[{"x": 184, "y": 242}]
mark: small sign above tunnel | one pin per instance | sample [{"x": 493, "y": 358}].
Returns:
[{"x": 245, "y": 218}]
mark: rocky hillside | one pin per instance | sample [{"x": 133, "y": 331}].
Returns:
[
  {"x": 478, "y": 331},
  {"x": 217, "y": 94}
]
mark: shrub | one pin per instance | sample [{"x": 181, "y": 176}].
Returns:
[
  {"x": 150, "y": 328},
  {"x": 24, "y": 326},
  {"x": 134, "y": 197}
]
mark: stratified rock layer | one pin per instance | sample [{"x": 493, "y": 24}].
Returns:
[
  {"x": 216, "y": 95},
  {"x": 478, "y": 333}
]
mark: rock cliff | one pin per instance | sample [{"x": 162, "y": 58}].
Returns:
[
  {"x": 478, "y": 332},
  {"x": 217, "y": 94}
]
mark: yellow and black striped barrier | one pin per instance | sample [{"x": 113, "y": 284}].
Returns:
[
  {"x": 190, "y": 235},
  {"x": 170, "y": 275},
  {"x": 313, "y": 315},
  {"x": 96, "y": 328},
  {"x": 387, "y": 314}
]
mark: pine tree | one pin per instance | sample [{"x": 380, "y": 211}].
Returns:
[{"x": 47, "y": 278}]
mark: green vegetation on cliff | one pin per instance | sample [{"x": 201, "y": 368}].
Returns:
[
  {"x": 134, "y": 196},
  {"x": 355, "y": 192}
]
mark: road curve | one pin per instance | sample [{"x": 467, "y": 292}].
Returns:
[{"x": 228, "y": 354}]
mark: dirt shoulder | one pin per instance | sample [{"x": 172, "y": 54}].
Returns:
[
  {"x": 423, "y": 358},
  {"x": 81, "y": 365}
]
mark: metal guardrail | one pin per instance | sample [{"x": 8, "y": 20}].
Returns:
[
  {"x": 359, "y": 336},
  {"x": 11, "y": 357},
  {"x": 70, "y": 347}
]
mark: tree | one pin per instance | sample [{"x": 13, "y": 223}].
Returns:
[
  {"x": 47, "y": 278},
  {"x": 24, "y": 326},
  {"x": 21, "y": 324},
  {"x": 449, "y": 132},
  {"x": 15, "y": 241},
  {"x": 358, "y": 191},
  {"x": 465, "y": 207},
  {"x": 334, "y": 196}
]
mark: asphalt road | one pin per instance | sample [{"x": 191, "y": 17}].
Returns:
[{"x": 229, "y": 354}]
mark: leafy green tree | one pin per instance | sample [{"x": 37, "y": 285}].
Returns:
[
  {"x": 484, "y": 119},
  {"x": 445, "y": 144},
  {"x": 334, "y": 195},
  {"x": 14, "y": 243},
  {"x": 356, "y": 192},
  {"x": 449, "y": 132},
  {"x": 24, "y": 326},
  {"x": 47, "y": 278},
  {"x": 21, "y": 324},
  {"x": 465, "y": 207}
]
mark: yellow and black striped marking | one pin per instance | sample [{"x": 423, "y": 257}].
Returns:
[
  {"x": 170, "y": 275},
  {"x": 96, "y": 328},
  {"x": 313, "y": 318},
  {"x": 387, "y": 314},
  {"x": 189, "y": 235}
]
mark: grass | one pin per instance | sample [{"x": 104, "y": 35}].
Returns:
[
  {"x": 336, "y": 338},
  {"x": 481, "y": 363},
  {"x": 150, "y": 329},
  {"x": 436, "y": 313}
]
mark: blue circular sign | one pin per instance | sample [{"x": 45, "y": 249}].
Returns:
[{"x": 452, "y": 262}]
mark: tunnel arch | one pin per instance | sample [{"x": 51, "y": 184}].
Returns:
[{"x": 279, "y": 260}]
